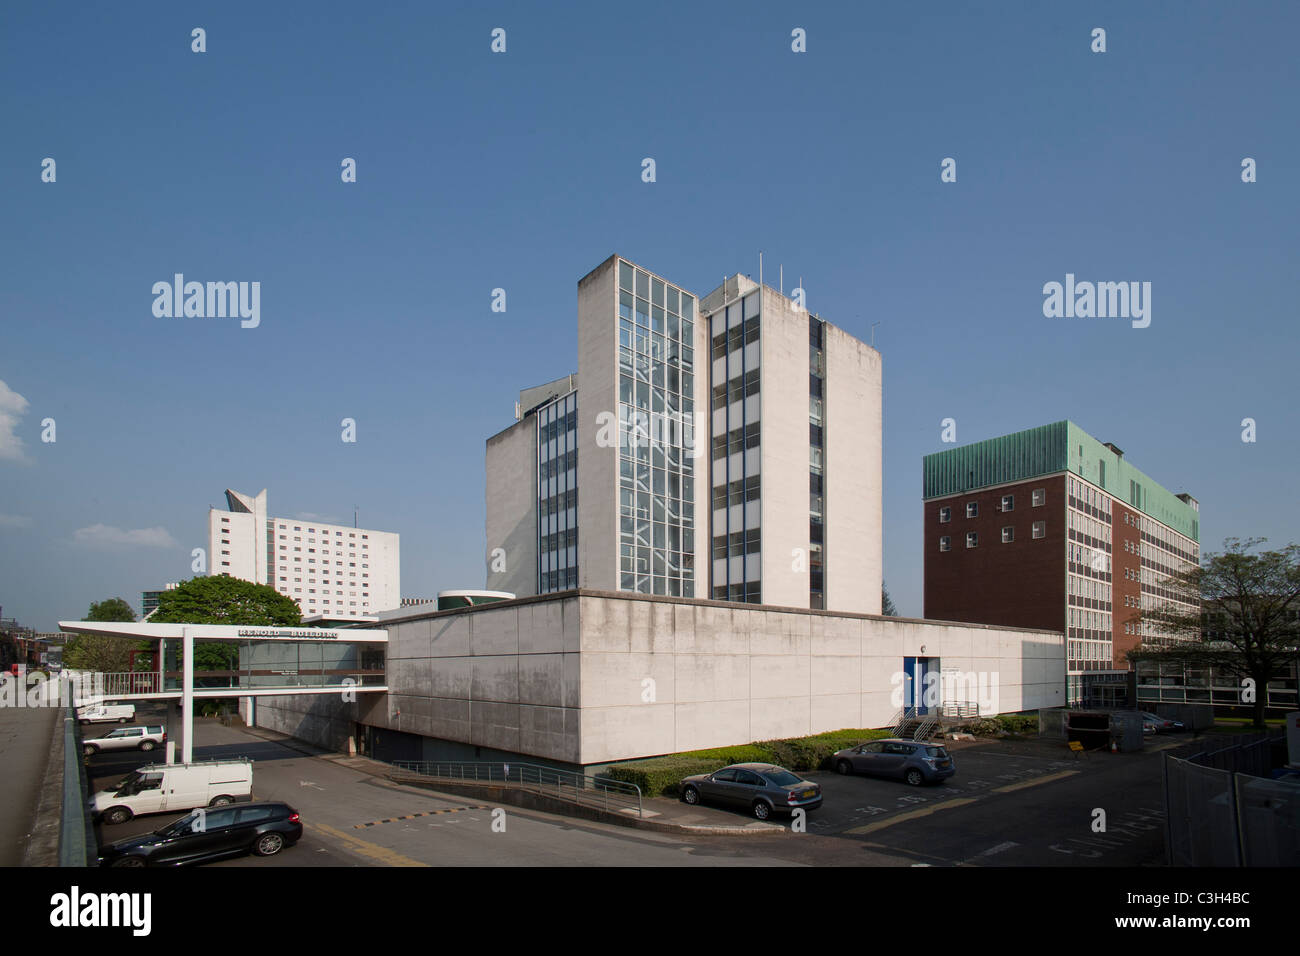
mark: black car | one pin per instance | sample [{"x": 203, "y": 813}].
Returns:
[{"x": 261, "y": 828}]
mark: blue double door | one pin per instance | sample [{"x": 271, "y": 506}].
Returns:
[{"x": 921, "y": 684}]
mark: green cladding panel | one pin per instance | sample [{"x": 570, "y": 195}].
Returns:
[
  {"x": 1051, "y": 449},
  {"x": 997, "y": 461}
]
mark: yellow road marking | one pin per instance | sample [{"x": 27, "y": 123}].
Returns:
[
  {"x": 365, "y": 848},
  {"x": 1034, "y": 782},
  {"x": 911, "y": 815}
]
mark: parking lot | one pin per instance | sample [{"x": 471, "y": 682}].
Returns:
[{"x": 1010, "y": 803}]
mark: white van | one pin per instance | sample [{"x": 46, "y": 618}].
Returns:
[
  {"x": 103, "y": 713},
  {"x": 163, "y": 788}
]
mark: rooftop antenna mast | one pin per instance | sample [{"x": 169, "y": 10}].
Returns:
[
  {"x": 354, "y": 516},
  {"x": 760, "y": 267}
]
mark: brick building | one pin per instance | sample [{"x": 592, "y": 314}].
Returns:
[{"x": 1051, "y": 528}]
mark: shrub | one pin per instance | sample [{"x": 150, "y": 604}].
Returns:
[
  {"x": 663, "y": 775},
  {"x": 1018, "y": 723}
]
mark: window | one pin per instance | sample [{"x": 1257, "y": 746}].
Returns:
[
  {"x": 945, "y": 515},
  {"x": 1008, "y": 502},
  {"x": 1040, "y": 529},
  {"x": 945, "y": 543},
  {"x": 972, "y": 509},
  {"x": 1008, "y": 535},
  {"x": 972, "y": 539}
]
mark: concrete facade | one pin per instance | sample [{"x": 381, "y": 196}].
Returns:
[
  {"x": 597, "y": 399},
  {"x": 583, "y": 678},
  {"x": 854, "y": 474},
  {"x": 511, "y": 472}
]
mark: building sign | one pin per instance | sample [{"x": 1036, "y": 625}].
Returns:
[{"x": 310, "y": 633}]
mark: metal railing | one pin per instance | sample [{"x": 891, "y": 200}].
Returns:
[
  {"x": 576, "y": 788},
  {"x": 960, "y": 708},
  {"x": 904, "y": 717},
  {"x": 77, "y": 846},
  {"x": 925, "y": 728},
  {"x": 566, "y": 785}
]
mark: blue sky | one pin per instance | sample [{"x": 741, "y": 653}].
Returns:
[{"x": 522, "y": 170}]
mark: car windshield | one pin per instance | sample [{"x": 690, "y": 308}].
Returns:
[{"x": 782, "y": 778}]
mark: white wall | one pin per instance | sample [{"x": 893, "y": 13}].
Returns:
[
  {"x": 511, "y": 474},
  {"x": 854, "y": 502},
  {"x": 597, "y": 393}
]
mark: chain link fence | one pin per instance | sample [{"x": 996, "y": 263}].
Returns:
[{"x": 1221, "y": 810}]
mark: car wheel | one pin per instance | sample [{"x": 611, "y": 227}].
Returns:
[
  {"x": 844, "y": 768},
  {"x": 90, "y": 750},
  {"x": 762, "y": 809},
  {"x": 147, "y": 745},
  {"x": 269, "y": 844},
  {"x": 84, "y": 723},
  {"x": 117, "y": 815},
  {"x": 128, "y": 861},
  {"x": 691, "y": 796},
  {"x": 121, "y": 720},
  {"x": 915, "y": 777},
  {"x": 221, "y": 801}
]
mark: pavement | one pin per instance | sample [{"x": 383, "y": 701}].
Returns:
[
  {"x": 660, "y": 813},
  {"x": 25, "y": 734}
]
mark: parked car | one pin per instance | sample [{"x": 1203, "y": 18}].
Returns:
[
  {"x": 144, "y": 738},
  {"x": 1163, "y": 725},
  {"x": 106, "y": 713},
  {"x": 158, "y": 788},
  {"x": 263, "y": 829},
  {"x": 762, "y": 788},
  {"x": 916, "y": 761}
]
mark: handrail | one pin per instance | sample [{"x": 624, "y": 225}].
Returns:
[{"x": 566, "y": 785}]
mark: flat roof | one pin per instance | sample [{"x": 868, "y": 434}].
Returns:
[{"x": 145, "y": 630}]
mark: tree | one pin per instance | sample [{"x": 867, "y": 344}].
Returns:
[
  {"x": 113, "y": 609},
  {"x": 1238, "y": 612},
  {"x": 887, "y": 603},
  {"x": 92, "y": 652},
  {"x": 219, "y": 599}
]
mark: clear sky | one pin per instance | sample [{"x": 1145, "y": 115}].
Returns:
[{"x": 522, "y": 170}]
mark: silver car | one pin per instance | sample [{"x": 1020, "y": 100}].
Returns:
[
  {"x": 127, "y": 738},
  {"x": 916, "y": 761},
  {"x": 760, "y": 788}
]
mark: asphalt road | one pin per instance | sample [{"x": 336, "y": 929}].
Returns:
[{"x": 1010, "y": 804}]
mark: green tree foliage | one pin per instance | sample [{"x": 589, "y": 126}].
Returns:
[
  {"x": 91, "y": 652},
  {"x": 113, "y": 609},
  {"x": 218, "y": 599},
  {"x": 1248, "y": 622},
  {"x": 887, "y": 603}
]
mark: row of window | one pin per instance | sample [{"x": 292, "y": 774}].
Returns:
[
  {"x": 736, "y": 492},
  {"x": 747, "y": 541},
  {"x": 1038, "y": 499},
  {"x": 735, "y": 390},
  {"x": 738, "y": 439},
  {"x": 816, "y": 503},
  {"x": 1039, "y": 530},
  {"x": 631, "y": 279},
  {"x": 735, "y": 338}
]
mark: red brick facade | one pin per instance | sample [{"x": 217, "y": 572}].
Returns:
[
  {"x": 1017, "y": 584},
  {"x": 1121, "y": 584}
]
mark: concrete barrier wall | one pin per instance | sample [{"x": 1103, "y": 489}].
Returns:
[
  {"x": 323, "y": 720},
  {"x": 594, "y": 677},
  {"x": 661, "y": 677}
]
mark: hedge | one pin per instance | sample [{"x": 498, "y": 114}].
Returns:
[{"x": 662, "y": 776}]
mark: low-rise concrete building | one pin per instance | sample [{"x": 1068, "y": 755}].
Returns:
[{"x": 585, "y": 678}]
